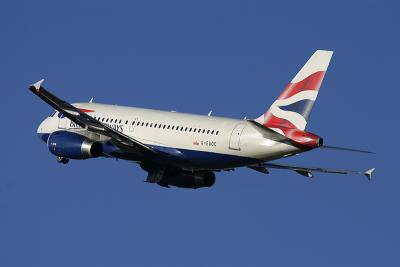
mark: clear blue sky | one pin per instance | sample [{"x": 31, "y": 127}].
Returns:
[{"x": 233, "y": 57}]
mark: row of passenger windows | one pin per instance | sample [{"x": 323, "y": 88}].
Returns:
[{"x": 160, "y": 126}]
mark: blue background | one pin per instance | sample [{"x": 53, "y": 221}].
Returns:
[{"x": 233, "y": 57}]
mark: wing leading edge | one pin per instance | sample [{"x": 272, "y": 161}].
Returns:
[{"x": 84, "y": 120}]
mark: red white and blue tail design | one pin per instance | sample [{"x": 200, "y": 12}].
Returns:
[{"x": 292, "y": 108}]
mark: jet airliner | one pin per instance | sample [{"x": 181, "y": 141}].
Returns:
[{"x": 186, "y": 150}]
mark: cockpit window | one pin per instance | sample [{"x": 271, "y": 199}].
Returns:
[{"x": 52, "y": 114}]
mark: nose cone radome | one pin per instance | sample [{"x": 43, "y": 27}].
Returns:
[{"x": 41, "y": 132}]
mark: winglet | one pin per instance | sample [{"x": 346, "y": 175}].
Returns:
[
  {"x": 37, "y": 85},
  {"x": 369, "y": 173}
]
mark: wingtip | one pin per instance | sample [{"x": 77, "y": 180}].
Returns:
[
  {"x": 368, "y": 173},
  {"x": 325, "y": 51},
  {"x": 37, "y": 85}
]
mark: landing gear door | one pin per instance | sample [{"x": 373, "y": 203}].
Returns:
[{"x": 234, "y": 141}]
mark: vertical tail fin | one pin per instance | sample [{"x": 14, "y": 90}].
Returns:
[{"x": 293, "y": 106}]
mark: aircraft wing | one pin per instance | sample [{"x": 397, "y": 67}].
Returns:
[
  {"x": 308, "y": 171},
  {"x": 84, "y": 120}
]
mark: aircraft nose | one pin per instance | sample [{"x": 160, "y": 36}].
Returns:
[
  {"x": 41, "y": 133},
  {"x": 40, "y": 128}
]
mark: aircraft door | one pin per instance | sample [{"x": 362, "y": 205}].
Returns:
[
  {"x": 234, "y": 141},
  {"x": 133, "y": 125},
  {"x": 62, "y": 121}
]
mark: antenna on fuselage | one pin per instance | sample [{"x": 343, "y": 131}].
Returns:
[
  {"x": 91, "y": 100},
  {"x": 209, "y": 113}
]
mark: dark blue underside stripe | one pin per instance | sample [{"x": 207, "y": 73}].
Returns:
[
  {"x": 197, "y": 158},
  {"x": 207, "y": 159}
]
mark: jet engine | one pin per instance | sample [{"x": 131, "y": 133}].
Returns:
[
  {"x": 188, "y": 180},
  {"x": 70, "y": 145},
  {"x": 179, "y": 178}
]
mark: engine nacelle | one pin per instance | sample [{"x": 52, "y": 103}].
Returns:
[
  {"x": 189, "y": 180},
  {"x": 73, "y": 146}
]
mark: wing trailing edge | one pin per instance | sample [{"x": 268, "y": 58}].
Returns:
[{"x": 309, "y": 171}]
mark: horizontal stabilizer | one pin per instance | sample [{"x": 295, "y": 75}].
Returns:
[{"x": 346, "y": 149}]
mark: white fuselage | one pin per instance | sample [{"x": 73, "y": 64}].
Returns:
[{"x": 207, "y": 142}]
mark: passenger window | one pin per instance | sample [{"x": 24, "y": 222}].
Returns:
[
  {"x": 181, "y": 128},
  {"x": 159, "y": 126},
  {"x": 203, "y": 131},
  {"x": 107, "y": 119},
  {"x": 151, "y": 124},
  {"x": 217, "y": 132},
  {"x": 172, "y": 127},
  {"x": 208, "y": 131},
  {"x": 155, "y": 125},
  {"x": 212, "y": 132},
  {"x": 164, "y": 126},
  {"x": 190, "y": 130},
  {"x": 168, "y": 127}
]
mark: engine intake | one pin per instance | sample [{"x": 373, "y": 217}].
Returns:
[{"x": 73, "y": 146}]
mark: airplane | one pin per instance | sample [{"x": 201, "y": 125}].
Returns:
[{"x": 186, "y": 150}]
